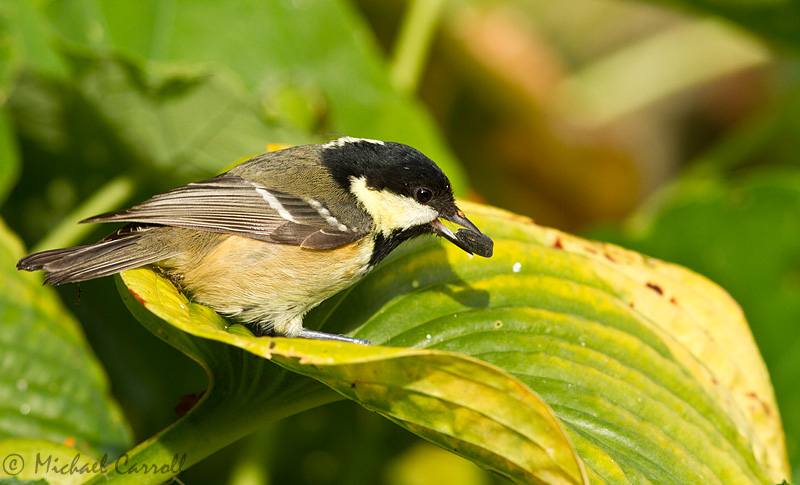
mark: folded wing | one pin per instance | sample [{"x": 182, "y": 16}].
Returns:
[{"x": 231, "y": 204}]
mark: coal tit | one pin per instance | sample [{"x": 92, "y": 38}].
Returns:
[{"x": 276, "y": 235}]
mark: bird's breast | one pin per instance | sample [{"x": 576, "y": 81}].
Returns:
[{"x": 259, "y": 281}]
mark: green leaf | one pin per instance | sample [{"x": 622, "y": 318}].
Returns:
[
  {"x": 579, "y": 321},
  {"x": 311, "y": 47},
  {"x": 52, "y": 386},
  {"x": 9, "y": 156},
  {"x": 53, "y": 463},
  {"x": 244, "y": 391},
  {"x": 775, "y": 20},
  {"x": 192, "y": 120},
  {"x": 650, "y": 368},
  {"x": 28, "y": 35},
  {"x": 420, "y": 389},
  {"x": 117, "y": 119},
  {"x": 10, "y": 65},
  {"x": 742, "y": 232},
  {"x": 186, "y": 122}
]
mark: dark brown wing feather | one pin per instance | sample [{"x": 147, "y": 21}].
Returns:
[{"x": 231, "y": 204}]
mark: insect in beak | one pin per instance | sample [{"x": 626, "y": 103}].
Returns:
[{"x": 471, "y": 239}]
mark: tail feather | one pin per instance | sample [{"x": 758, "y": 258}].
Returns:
[{"x": 93, "y": 261}]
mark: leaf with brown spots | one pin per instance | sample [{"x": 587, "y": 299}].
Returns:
[{"x": 574, "y": 376}]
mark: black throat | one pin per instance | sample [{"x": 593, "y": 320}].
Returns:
[{"x": 386, "y": 244}]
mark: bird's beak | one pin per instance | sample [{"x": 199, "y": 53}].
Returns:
[{"x": 471, "y": 239}]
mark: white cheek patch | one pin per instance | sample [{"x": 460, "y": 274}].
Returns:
[{"x": 389, "y": 210}]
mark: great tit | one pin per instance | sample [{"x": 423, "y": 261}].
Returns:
[{"x": 279, "y": 233}]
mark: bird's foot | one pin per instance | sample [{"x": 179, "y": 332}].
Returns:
[{"x": 317, "y": 335}]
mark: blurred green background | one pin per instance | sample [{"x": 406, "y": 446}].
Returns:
[{"x": 669, "y": 127}]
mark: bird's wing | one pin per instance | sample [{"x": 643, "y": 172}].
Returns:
[{"x": 231, "y": 204}]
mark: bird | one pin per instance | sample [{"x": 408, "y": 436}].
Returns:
[{"x": 273, "y": 237}]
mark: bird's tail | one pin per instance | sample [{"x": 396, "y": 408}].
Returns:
[{"x": 109, "y": 256}]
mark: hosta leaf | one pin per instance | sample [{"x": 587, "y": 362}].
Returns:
[
  {"x": 320, "y": 52},
  {"x": 51, "y": 385},
  {"x": 759, "y": 266},
  {"x": 650, "y": 368},
  {"x": 188, "y": 119},
  {"x": 645, "y": 360},
  {"x": 458, "y": 402},
  {"x": 53, "y": 463}
]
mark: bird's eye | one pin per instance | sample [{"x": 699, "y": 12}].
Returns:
[{"x": 423, "y": 195}]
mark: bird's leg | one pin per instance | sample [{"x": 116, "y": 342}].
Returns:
[
  {"x": 294, "y": 328},
  {"x": 315, "y": 334}
]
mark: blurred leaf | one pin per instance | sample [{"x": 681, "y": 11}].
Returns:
[
  {"x": 112, "y": 117},
  {"x": 9, "y": 156},
  {"x": 269, "y": 45},
  {"x": 10, "y": 56},
  {"x": 10, "y": 64},
  {"x": 33, "y": 459},
  {"x": 70, "y": 232},
  {"x": 114, "y": 112},
  {"x": 774, "y": 20},
  {"x": 688, "y": 54},
  {"x": 28, "y": 35},
  {"x": 630, "y": 353},
  {"x": 744, "y": 234},
  {"x": 52, "y": 387},
  {"x": 424, "y": 463},
  {"x": 768, "y": 137},
  {"x": 175, "y": 118}
]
